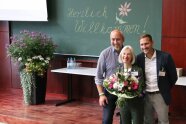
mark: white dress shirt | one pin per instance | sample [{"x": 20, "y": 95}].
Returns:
[{"x": 151, "y": 74}]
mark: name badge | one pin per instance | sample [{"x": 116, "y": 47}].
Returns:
[
  {"x": 161, "y": 73},
  {"x": 135, "y": 73}
]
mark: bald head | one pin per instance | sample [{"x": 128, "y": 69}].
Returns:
[
  {"x": 118, "y": 32},
  {"x": 117, "y": 39}
]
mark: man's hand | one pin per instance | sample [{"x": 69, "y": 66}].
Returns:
[{"x": 103, "y": 100}]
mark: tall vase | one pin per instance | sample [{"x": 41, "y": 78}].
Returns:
[
  {"x": 34, "y": 88},
  {"x": 39, "y": 91}
]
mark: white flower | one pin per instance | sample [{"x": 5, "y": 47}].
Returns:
[
  {"x": 26, "y": 64},
  {"x": 120, "y": 86},
  {"x": 19, "y": 59},
  {"x": 135, "y": 79},
  {"x": 48, "y": 58},
  {"x": 126, "y": 74},
  {"x": 35, "y": 57},
  {"x": 46, "y": 61},
  {"x": 41, "y": 58},
  {"x": 115, "y": 86},
  {"x": 124, "y": 9},
  {"x": 29, "y": 60},
  {"x": 43, "y": 64}
]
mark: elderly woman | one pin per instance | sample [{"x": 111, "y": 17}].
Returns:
[{"x": 132, "y": 110}]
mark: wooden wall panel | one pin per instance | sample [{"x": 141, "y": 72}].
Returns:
[
  {"x": 5, "y": 73},
  {"x": 4, "y": 26},
  {"x": 9, "y": 70},
  {"x": 174, "y": 16},
  {"x": 15, "y": 75},
  {"x": 174, "y": 42},
  {"x": 177, "y": 48},
  {"x": 174, "y": 30},
  {"x": 56, "y": 83},
  {"x": 177, "y": 107}
]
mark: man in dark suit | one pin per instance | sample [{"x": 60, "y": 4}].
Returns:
[{"x": 160, "y": 76}]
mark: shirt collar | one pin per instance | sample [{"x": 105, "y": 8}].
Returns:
[{"x": 153, "y": 56}]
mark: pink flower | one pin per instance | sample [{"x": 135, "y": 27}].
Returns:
[
  {"x": 134, "y": 85},
  {"x": 111, "y": 85},
  {"x": 113, "y": 80},
  {"x": 125, "y": 83}
]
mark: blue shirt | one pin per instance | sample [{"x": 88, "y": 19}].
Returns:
[{"x": 107, "y": 64}]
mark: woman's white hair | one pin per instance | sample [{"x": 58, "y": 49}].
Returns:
[{"x": 122, "y": 51}]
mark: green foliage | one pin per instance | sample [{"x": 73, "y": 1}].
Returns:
[
  {"x": 33, "y": 50},
  {"x": 27, "y": 82}
]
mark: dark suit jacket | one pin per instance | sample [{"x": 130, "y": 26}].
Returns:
[{"x": 166, "y": 63}]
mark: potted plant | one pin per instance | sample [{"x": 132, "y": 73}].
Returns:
[{"x": 32, "y": 51}]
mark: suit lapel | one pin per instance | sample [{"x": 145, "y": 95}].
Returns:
[
  {"x": 143, "y": 61},
  {"x": 158, "y": 61}
]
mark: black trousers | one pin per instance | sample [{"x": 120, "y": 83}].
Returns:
[{"x": 133, "y": 111}]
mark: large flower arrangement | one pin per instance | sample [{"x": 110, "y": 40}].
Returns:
[
  {"x": 124, "y": 86},
  {"x": 33, "y": 50}
]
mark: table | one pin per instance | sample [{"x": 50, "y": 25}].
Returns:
[
  {"x": 181, "y": 81},
  {"x": 86, "y": 71}
]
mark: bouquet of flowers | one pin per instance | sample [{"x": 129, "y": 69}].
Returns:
[{"x": 123, "y": 85}]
